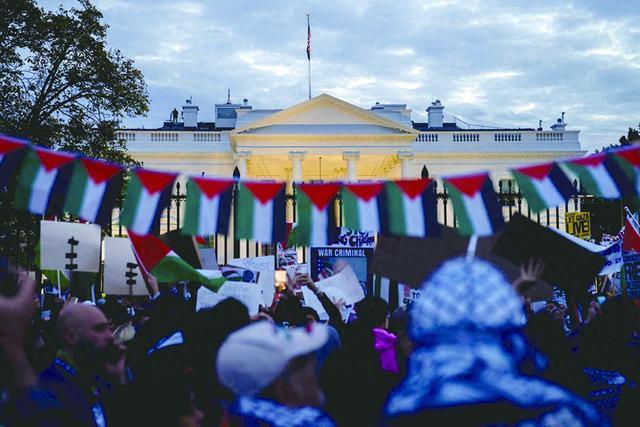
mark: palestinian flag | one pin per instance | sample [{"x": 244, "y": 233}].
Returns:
[
  {"x": 12, "y": 151},
  {"x": 631, "y": 236},
  {"x": 544, "y": 186},
  {"x": 43, "y": 181},
  {"x": 148, "y": 193},
  {"x": 410, "y": 208},
  {"x": 599, "y": 175},
  {"x": 93, "y": 190},
  {"x": 475, "y": 204},
  {"x": 628, "y": 161},
  {"x": 165, "y": 265},
  {"x": 361, "y": 207},
  {"x": 208, "y": 206},
  {"x": 316, "y": 222},
  {"x": 260, "y": 213}
]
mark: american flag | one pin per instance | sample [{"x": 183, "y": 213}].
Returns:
[{"x": 308, "y": 39}]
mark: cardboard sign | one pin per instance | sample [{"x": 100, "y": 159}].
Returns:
[
  {"x": 578, "y": 224},
  {"x": 69, "y": 246},
  {"x": 567, "y": 264},
  {"x": 122, "y": 274}
]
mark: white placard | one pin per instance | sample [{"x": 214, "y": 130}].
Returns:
[
  {"x": 120, "y": 266},
  {"x": 344, "y": 285},
  {"x": 65, "y": 243},
  {"x": 247, "y": 293},
  {"x": 255, "y": 263},
  {"x": 208, "y": 258}
]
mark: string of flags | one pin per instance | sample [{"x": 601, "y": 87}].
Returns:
[{"x": 51, "y": 182}]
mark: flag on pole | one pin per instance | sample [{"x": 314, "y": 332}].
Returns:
[
  {"x": 316, "y": 221},
  {"x": 410, "y": 208},
  {"x": 93, "y": 190},
  {"x": 475, "y": 204},
  {"x": 628, "y": 160},
  {"x": 148, "y": 193},
  {"x": 544, "y": 186},
  {"x": 362, "y": 207},
  {"x": 631, "y": 236},
  {"x": 599, "y": 176},
  {"x": 43, "y": 181},
  {"x": 165, "y": 265},
  {"x": 260, "y": 213},
  {"x": 208, "y": 206},
  {"x": 12, "y": 150},
  {"x": 308, "y": 39}
]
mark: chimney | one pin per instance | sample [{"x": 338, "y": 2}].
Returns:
[
  {"x": 190, "y": 114},
  {"x": 560, "y": 124},
  {"x": 435, "y": 114}
]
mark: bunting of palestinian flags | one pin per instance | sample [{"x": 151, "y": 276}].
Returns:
[
  {"x": 158, "y": 260},
  {"x": 208, "y": 206},
  {"x": 544, "y": 186},
  {"x": 260, "y": 213},
  {"x": 52, "y": 183},
  {"x": 43, "y": 181},
  {"x": 93, "y": 190},
  {"x": 11, "y": 152},
  {"x": 316, "y": 220},
  {"x": 411, "y": 208},
  {"x": 475, "y": 204},
  {"x": 148, "y": 193}
]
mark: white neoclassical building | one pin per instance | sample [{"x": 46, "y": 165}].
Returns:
[{"x": 326, "y": 138}]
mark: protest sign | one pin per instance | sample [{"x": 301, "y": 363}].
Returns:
[
  {"x": 631, "y": 276},
  {"x": 247, "y": 293},
  {"x": 265, "y": 265},
  {"x": 344, "y": 285},
  {"x": 355, "y": 239},
  {"x": 69, "y": 246},
  {"x": 122, "y": 274},
  {"x": 239, "y": 274},
  {"x": 208, "y": 258},
  {"x": 286, "y": 256},
  {"x": 578, "y": 224},
  {"x": 327, "y": 261},
  {"x": 567, "y": 265}
]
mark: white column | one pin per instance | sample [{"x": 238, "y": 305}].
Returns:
[
  {"x": 296, "y": 158},
  {"x": 241, "y": 158},
  {"x": 405, "y": 158},
  {"x": 352, "y": 168}
]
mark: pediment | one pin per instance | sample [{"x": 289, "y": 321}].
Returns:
[{"x": 324, "y": 113}]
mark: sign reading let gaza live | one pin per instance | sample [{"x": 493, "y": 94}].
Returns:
[{"x": 578, "y": 224}]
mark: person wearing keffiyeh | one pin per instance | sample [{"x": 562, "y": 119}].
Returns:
[{"x": 466, "y": 327}]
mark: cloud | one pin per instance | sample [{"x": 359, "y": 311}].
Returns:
[{"x": 492, "y": 62}]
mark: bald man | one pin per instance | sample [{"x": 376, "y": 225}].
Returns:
[{"x": 87, "y": 367}]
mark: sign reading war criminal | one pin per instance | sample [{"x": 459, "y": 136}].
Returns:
[{"x": 578, "y": 224}]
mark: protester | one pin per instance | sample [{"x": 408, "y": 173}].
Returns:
[
  {"x": 465, "y": 368},
  {"x": 272, "y": 372}
]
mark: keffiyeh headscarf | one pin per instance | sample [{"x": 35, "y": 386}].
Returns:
[{"x": 466, "y": 326}]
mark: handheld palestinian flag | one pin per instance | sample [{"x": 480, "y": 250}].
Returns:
[
  {"x": 628, "y": 160},
  {"x": 362, "y": 207},
  {"x": 93, "y": 190},
  {"x": 631, "y": 236},
  {"x": 316, "y": 222},
  {"x": 544, "y": 186},
  {"x": 599, "y": 176},
  {"x": 410, "y": 208},
  {"x": 12, "y": 151},
  {"x": 165, "y": 265},
  {"x": 260, "y": 213},
  {"x": 475, "y": 204},
  {"x": 43, "y": 181},
  {"x": 148, "y": 193},
  {"x": 208, "y": 206}
]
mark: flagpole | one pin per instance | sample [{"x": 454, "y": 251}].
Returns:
[
  {"x": 309, "y": 53},
  {"x": 629, "y": 214}
]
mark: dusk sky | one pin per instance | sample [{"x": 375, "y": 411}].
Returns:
[{"x": 494, "y": 63}]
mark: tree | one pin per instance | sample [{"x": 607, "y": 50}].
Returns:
[
  {"x": 63, "y": 87},
  {"x": 625, "y": 140}
]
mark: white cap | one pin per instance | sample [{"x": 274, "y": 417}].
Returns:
[{"x": 252, "y": 357}]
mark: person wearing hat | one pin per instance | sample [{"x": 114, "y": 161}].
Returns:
[
  {"x": 272, "y": 372},
  {"x": 467, "y": 330}
]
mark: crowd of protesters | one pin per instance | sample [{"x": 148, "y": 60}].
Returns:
[{"x": 470, "y": 351}]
